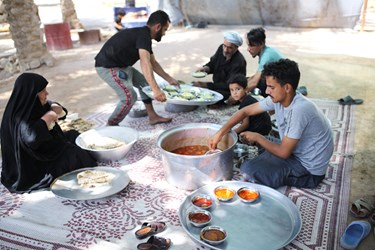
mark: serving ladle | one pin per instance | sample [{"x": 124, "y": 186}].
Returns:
[{"x": 213, "y": 151}]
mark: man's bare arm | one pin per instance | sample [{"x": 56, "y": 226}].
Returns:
[
  {"x": 237, "y": 117},
  {"x": 148, "y": 72}
]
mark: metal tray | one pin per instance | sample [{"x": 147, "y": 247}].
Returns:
[
  {"x": 193, "y": 102},
  {"x": 66, "y": 186},
  {"x": 271, "y": 222}
]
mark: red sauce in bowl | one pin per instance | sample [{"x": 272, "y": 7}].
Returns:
[
  {"x": 202, "y": 202},
  {"x": 199, "y": 217}
]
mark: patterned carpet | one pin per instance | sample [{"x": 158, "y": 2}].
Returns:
[{"x": 43, "y": 221}]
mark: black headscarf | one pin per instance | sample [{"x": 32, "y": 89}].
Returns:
[
  {"x": 32, "y": 155},
  {"x": 23, "y": 100}
]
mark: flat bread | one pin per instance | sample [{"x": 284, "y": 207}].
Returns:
[
  {"x": 105, "y": 143},
  {"x": 80, "y": 124},
  {"x": 94, "y": 178}
]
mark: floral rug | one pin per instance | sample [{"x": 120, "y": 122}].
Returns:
[{"x": 42, "y": 220}]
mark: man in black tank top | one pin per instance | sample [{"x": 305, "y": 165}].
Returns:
[{"x": 114, "y": 64}]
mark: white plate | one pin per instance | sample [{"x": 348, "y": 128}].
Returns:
[
  {"x": 199, "y": 74},
  {"x": 66, "y": 186}
]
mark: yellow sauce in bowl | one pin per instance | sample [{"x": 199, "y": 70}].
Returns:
[{"x": 224, "y": 193}]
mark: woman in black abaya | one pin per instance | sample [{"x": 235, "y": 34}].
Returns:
[{"x": 34, "y": 148}]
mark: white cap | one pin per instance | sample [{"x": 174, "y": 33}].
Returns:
[{"x": 233, "y": 37}]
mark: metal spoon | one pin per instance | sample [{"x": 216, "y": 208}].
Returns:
[{"x": 213, "y": 151}]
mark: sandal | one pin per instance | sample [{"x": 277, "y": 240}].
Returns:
[
  {"x": 302, "y": 90},
  {"x": 150, "y": 228},
  {"x": 354, "y": 234},
  {"x": 372, "y": 220},
  {"x": 155, "y": 243},
  {"x": 363, "y": 207},
  {"x": 348, "y": 100}
]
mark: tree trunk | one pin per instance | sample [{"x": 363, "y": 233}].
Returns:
[
  {"x": 69, "y": 14},
  {"x": 24, "y": 21}
]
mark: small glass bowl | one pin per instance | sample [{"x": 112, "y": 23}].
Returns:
[
  {"x": 199, "y": 218},
  {"x": 202, "y": 201},
  {"x": 248, "y": 194},
  {"x": 224, "y": 193},
  {"x": 213, "y": 235}
]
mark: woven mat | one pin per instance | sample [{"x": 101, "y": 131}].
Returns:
[{"x": 43, "y": 221}]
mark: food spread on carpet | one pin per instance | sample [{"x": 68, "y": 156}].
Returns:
[{"x": 110, "y": 222}]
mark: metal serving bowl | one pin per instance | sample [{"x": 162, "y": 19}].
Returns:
[
  {"x": 195, "y": 218},
  {"x": 190, "y": 172},
  {"x": 124, "y": 134},
  {"x": 209, "y": 234},
  {"x": 224, "y": 193},
  {"x": 248, "y": 194},
  {"x": 178, "y": 108},
  {"x": 138, "y": 110},
  {"x": 202, "y": 201}
]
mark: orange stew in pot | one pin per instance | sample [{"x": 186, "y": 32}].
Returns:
[{"x": 191, "y": 150}]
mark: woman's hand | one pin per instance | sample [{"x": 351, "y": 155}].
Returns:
[
  {"x": 56, "y": 108},
  {"x": 50, "y": 118}
]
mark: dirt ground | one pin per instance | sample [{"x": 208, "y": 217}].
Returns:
[{"x": 333, "y": 63}]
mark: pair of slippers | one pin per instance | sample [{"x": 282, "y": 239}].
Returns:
[
  {"x": 348, "y": 100},
  {"x": 149, "y": 229},
  {"x": 358, "y": 230}
]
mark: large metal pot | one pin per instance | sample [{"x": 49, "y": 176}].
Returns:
[{"x": 191, "y": 172}]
